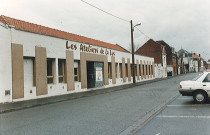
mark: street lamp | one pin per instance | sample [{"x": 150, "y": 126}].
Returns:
[{"x": 132, "y": 46}]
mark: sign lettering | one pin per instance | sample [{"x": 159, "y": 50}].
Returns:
[{"x": 90, "y": 49}]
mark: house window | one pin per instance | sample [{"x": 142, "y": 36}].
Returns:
[
  {"x": 146, "y": 70},
  {"x": 131, "y": 70},
  {"x": 126, "y": 70},
  {"x": 50, "y": 71},
  {"x": 139, "y": 69},
  {"x": 120, "y": 67},
  {"x": 135, "y": 69},
  {"x": 151, "y": 69},
  {"x": 116, "y": 69},
  {"x": 61, "y": 70},
  {"x": 109, "y": 71},
  {"x": 76, "y": 71}
]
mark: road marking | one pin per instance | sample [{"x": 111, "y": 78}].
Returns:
[
  {"x": 203, "y": 117},
  {"x": 190, "y": 105}
]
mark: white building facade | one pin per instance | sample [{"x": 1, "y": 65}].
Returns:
[{"x": 35, "y": 64}]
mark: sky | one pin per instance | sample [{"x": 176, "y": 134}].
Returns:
[{"x": 180, "y": 23}]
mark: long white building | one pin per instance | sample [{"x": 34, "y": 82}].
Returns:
[{"x": 38, "y": 62}]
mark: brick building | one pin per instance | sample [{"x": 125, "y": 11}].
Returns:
[
  {"x": 157, "y": 51},
  {"x": 171, "y": 58}
]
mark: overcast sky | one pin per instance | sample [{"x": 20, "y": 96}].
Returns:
[{"x": 180, "y": 23}]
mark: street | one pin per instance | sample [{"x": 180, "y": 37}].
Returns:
[
  {"x": 181, "y": 117},
  {"x": 109, "y": 113}
]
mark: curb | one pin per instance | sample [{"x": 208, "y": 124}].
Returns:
[
  {"x": 15, "y": 106},
  {"x": 141, "y": 122}
]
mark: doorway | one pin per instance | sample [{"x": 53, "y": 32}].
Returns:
[{"x": 95, "y": 75}]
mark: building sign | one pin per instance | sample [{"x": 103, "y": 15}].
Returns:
[
  {"x": 99, "y": 74},
  {"x": 90, "y": 49}
]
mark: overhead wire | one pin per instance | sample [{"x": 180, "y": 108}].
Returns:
[
  {"x": 142, "y": 33},
  {"x": 114, "y": 16},
  {"x": 105, "y": 11}
]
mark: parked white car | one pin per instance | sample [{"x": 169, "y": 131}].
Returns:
[{"x": 199, "y": 87}]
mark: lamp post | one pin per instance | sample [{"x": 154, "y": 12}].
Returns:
[{"x": 132, "y": 46}]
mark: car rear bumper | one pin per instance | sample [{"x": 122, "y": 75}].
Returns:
[{"x": 186, "y": 92}]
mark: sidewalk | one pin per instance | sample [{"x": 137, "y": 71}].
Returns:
[{"x": 14, "y": 106}]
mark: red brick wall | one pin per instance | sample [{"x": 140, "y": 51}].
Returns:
[{"x": 151, "y": 49}]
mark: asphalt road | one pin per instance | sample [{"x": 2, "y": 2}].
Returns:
[
  {"x": 181, "y": 117},
  {"x": 104, "y": 114}
]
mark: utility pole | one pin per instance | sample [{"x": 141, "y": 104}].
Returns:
[{"x": 133, "y": 62}]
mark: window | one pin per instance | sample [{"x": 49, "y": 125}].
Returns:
[
  {"x": 76, "y": 71},
  {"x": 139, "y": 69},
  {"x": 151, "y": 69},
  {"x": 61, "y": 71},
  {"x": 207, "y": 78},
  {"x": 120, "y": 67},
  {"x": 146, "y": 70},
  {"x": 109, "y": 71},
  {"x": 126, "y": 70},
  {"x": 135, "y": 70},
  {"x": 50, "y": 71},
  {"x": 116, "y": 69},
  {"x": 143, "y": 69}
]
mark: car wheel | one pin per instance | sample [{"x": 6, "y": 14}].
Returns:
[{"x": 199, "y": 97}]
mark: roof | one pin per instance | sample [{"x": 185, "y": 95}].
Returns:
[
  {"x": 194, "y": 55},
  {"x": 39, "y": 29},
  {"x": 148, "y": 42},
  {"x": 182, "y": 51},
  {"x": 151, "y": 40},
  {"x": 163, "y": 43}
]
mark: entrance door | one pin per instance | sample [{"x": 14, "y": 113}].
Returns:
[
  {"x": 94, "y": 74},
  {"x": 90, "y": 75}
]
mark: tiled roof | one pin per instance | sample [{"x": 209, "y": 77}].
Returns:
[
  {"x": 195, "y": 55},
  {"x": 30, "y": 27},
  {"x": 2, "y": 20}
]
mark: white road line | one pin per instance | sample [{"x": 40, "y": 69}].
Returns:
[
  {"x": 200, "y": 117},
  {"x": 189, "y": 105}
]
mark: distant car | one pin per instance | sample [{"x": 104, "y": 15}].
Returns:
[{"x": 199, "y": 87}]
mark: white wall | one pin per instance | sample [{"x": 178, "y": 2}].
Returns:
[
  {"x": 185, "y": 60},
  {"x": 56, "y": 48},
  {"x": 158, "y": 71},
  {"x": 195, "y": 65},
  {"x": 164, "y": 66},
  {"x": 191, "y": 66},
  {"x": 5, "y": 64}
]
